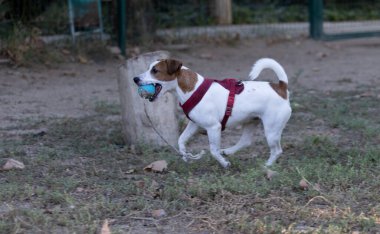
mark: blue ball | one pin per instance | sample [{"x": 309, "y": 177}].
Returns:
[{"x": 147, "y": 91}]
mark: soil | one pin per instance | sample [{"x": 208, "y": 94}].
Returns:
[{"x": 72, "y": 90}]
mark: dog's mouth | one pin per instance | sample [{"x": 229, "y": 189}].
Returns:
[{"x": 158, "y": 88}]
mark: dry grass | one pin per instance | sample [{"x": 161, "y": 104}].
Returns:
[{"x": 78, "y": 173}]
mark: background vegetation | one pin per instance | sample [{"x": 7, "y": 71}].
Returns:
[{"x": 23, "y": 19}]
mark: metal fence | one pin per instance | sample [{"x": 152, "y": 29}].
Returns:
[
  {"x": 342, "y": 19},
  {"x": 191, "y": 19},
  {"x": 178, "y": 20}
]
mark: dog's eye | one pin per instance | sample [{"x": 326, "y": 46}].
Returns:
[{"x": 154, "y": 70}]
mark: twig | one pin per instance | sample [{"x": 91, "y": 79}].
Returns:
[
  {"x": 29, "y": 225},
  {"x": 322, "y": 197},
  {"x": 143, "y": 218},
  {"x": 209, "y": 223},
  {"x": 191, "y": 223}
]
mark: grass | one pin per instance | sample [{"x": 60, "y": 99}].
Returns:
[{"x": 79, "y": 173}]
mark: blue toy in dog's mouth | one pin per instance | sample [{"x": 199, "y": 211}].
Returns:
[{"x": 149, "y": 91}]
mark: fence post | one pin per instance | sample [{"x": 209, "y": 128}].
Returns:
[
  {"x": 316, "y": 19},
  {"x": 121, "y": 25},
  {"x": 223, "y": 11},
  {"x": 138, "y": 114}
]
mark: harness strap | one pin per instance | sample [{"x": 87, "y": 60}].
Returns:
[
  {"x": 196, "y": 97},
  {"x": 230, "y": 101},
  {"x": 232, "y": 85}
]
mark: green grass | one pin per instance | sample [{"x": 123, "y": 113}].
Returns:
[{"x": 80, "y": 173}]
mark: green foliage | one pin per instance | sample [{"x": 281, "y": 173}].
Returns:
[
  {"x": 268, "y": 13},
  {"x": 183, "y": 13},
  {"x": 22, "y": 45},
  {"x": 54, "y": 20},
  {"x": 352, "y": 11}
]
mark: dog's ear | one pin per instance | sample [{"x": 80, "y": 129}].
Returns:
[{"x": 173, "y": 66}]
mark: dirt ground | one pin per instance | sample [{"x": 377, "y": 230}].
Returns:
[
  {"x": 72, "y": 90},
  {"x": 28, "y": 95}
]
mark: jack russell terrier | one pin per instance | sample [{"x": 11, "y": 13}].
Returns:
[{"x": 214, "y": 105}]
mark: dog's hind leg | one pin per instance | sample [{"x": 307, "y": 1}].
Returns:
[
  {"x": 189, "y": 131},
  {"x": 273, "y": 130},
  {"x": 214, "y": 135},
  {"x": 245, "y": 140}
]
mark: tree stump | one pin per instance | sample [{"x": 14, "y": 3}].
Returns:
[{"x": 138, "y": 114}]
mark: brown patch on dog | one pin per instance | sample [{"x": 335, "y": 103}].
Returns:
[
  {"x": 187, "y": 80},
  {"x": 166, "y": 70},
  {"x": 281, "y": 89},
  {"x": 173, "y": 65}
]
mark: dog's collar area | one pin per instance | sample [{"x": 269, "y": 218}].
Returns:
[
  {"x": 233, "y": 85},
  {"x": 196, "y": 97}
]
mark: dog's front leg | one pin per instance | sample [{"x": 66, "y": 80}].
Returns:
[
  {"x": 214, "y": 134},
  {"x": 189, "y": 131}
]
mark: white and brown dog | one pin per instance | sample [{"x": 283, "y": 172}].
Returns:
[{"x": 266, "y": 101}]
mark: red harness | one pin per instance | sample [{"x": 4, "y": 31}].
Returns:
[{"x": 233, "y": 85}]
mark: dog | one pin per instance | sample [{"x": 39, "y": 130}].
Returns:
[{"x": 259, "y": 99}]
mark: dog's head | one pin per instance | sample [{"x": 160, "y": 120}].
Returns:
[{"x": 162, "y": 74}]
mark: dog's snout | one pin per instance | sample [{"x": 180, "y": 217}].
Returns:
[{"x": 136, "y": 80}]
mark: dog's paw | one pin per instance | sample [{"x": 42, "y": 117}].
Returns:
[
  {"x": 226, "y": 164},
  {"x": 226, "y": 151},
  {"x": 203, "y": 152},
  {"x": 185, "y": 159}
]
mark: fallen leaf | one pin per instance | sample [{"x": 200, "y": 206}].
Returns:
[
  {"x": 105, "y": 229},
  {"x": 82, "y": 59},
  {"x": 13, "y": 164},
  {"x": 158, "y": 213},
  {"x": 65, "y": 52},
  {"x": 271, "y": 174},
  {"x": 130, "y": 171},
  {"x": 303, "y": 184},
  {"x": 157, "y": 166}
]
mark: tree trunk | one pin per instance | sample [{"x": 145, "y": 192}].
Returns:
[
  {"x": 223, "y": 11},
  {"x": 139, "y": 114}
]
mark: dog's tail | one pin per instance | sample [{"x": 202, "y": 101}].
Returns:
[{"x": 264, "y": 63}]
